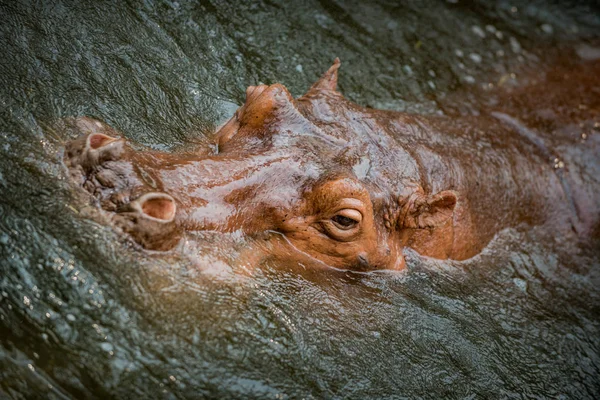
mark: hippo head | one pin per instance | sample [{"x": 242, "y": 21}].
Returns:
[{"x": 320, "y": 180}]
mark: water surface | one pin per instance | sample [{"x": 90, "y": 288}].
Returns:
[{"x": 87, "y": 314}]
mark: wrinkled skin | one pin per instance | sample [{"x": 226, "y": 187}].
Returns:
[{"x": 324, "y": 182}]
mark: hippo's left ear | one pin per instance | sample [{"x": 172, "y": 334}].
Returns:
[
  {"x": 264, "y": 103},
  {"x": 328, "y": 81},
  {"x": 430, "y": 211}
]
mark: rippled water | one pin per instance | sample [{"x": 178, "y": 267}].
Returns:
[{"x": 85, "y": 314}]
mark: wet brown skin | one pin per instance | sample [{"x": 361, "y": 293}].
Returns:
[{"x": 324, "y": 182}]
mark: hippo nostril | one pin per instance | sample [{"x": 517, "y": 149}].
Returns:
[
  {"x": 159, "y": 206},
  {"x": 150, "y": 220},
  {"x": 98, "y": 140}
]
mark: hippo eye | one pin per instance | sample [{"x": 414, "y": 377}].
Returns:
[
  {"x": 344, "y": 225},
  {"x": 343, "y": 222}
]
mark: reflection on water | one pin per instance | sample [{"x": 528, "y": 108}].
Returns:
[{"x": 84, "y": 313}]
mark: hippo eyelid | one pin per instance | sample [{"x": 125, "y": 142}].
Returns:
[
  {"x": 343, "y": 222},
  {"x": 347, "y": 218},
  {"x": 337, "y": 229}
]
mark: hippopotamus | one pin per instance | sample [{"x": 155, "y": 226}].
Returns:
[{"x": 321, "y": 181}]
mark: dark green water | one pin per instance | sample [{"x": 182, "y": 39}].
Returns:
[{"x": 84, "y": 314}]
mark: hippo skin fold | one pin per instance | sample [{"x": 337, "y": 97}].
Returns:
[{"x": 320, "y": 181}]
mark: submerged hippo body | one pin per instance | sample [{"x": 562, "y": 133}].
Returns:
[{"x": 322, "y": 180}]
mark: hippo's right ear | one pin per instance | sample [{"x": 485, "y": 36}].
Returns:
[
  {"x": 430, "y": 211},
  {"x": 328, "y": 81}
]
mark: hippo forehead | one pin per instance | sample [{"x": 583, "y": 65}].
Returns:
[
  {"x": 326, "y": 134},
  {"x": 339, "y": 138}
]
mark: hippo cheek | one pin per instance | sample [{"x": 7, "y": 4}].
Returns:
[
  {"x": 388, "y": 253},
  {"x": 295, "y": 252},
  {"x": 150, "y": 220},
  {"x": 381, "y": 258}
]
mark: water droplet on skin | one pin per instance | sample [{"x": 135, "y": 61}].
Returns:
[
  {"x": 547, "y": 28},
  {"x": 520, "y": 283},
  {"x": 514, "y": 45},
  {"x": 478, "y": 31},
  {"x": 106, "y": 347},
  {"x": 476, "y": 58},
  {"x": 558, "y": 164}
]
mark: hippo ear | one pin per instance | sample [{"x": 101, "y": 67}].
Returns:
[
  {"x": 327, "y": 82},
  {"x": 431, "y": 211},
  {"x": 264, "y": 103}
]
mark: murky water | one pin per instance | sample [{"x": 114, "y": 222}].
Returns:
[{"x": 85, "y": 314}]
